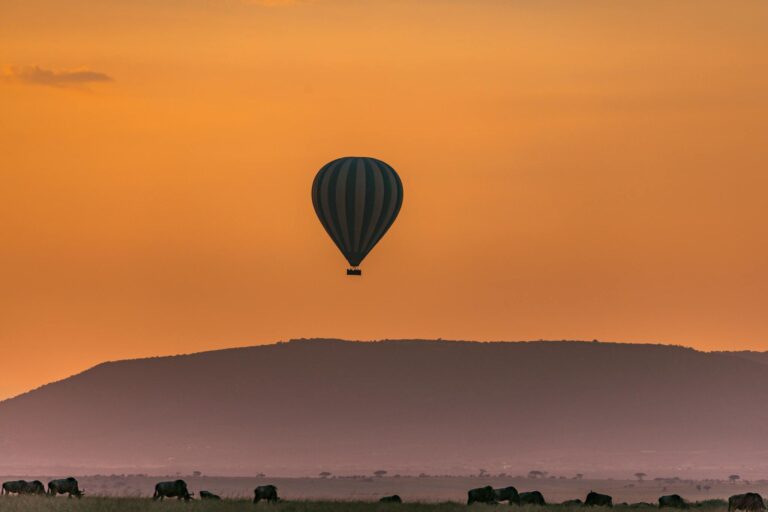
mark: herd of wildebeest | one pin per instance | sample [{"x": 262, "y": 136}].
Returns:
[
  {"x": 751, "y": 501},
  {"x": 170, "y": 489}
]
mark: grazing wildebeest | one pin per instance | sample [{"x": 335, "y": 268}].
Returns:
[
  {"x": 172, "y": 489},
  {"x": 507, "y": 494},
  {"x": 748, "y": 501},
  {"x": 572, "y": 503},
  {"x": 481, "y": 495},
  {"x": 23, "y": 487},
  {"x": 391, "y": 499},
  {"x": 532, "y": 498},
  {"x": 64, "y": 486},
  {"x": 595, "y": 499},
  {"x": 672, "y": 501},
  {"x": 34, "y": 487},
  {"x": 265, "y": 492},
  {"x": 207, "y": 495}
]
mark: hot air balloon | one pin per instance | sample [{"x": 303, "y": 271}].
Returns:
[{"x": 356, "y": 199}]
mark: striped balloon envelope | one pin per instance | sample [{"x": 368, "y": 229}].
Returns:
[{"x": 356, "y": 199}]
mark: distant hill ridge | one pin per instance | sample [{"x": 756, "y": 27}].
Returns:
[{"x": 408, "y": 405}]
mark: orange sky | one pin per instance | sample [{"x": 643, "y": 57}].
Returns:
[{"x": 571, "y": 170}]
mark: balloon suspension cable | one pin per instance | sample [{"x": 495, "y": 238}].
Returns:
[{"x": 354, "y": 272}]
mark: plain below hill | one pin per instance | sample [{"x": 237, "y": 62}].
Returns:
[{"x": 443, "y": 407}]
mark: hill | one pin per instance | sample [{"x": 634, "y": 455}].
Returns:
[{"x": 448, "y": 407}]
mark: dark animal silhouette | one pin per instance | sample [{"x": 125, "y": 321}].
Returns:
[
  {"x": 572, "y": 503},
  {"x": 748, "y": 501},
  {"x": 207, "y": 495},
  {"x": 34, "y": 487},
  {"x": 507, "y": 494},
  {"x": 13, "y": 487},
  {"x": 481, "y": 495},
  {"x": 172, "y": 489},
  {"x": 265, "y": 492},
  {"x": 391, "y": 499},
  {"x": 23, "y": 487},
  {"x": 532, "y": 498},
  {"x": 595, "y": 499},
  {"x": 64, "y": 486},
  {"x": 672, "y": 501}
]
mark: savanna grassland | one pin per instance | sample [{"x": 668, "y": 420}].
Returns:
[
  {"x": 131, "y": 493},
  {"x": 110, "y": 504},
  {"x": 430, "y": 489}
]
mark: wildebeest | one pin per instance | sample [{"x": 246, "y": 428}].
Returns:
[
  {"x": 23, "y": 487},
  {"x": 34, "y": 487},
  {"x": 507, "y": 494},
  {"x": 172, "y": 489},
  {"x": 481, "y": 495},
  {"x": 532, "y": 498},
  {"x": 207, "y": 495},
  {"x": 64, "y": 486},
  {"x": 747, "y": 501},
  {"x": 391, "y": 499},
  {"x": 572, "y": 503},
  {"x": 595, "y": 499},
  {"x": 265, "y": 492},
  {"x": 672, "y": 501}
]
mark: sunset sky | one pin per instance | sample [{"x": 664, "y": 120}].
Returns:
[{"x": 571, "y": 170}]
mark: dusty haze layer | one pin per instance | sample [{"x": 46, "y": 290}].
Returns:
[{"x": 406, "y": 406}]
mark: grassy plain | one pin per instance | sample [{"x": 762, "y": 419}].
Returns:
[
  {"x": 131, "y": 493},
  {"x": 111, "y": 504}
]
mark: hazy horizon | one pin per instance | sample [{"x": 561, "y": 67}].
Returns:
[
  {"x": 309, "y": 405},
  {"x": 275, "y": 342}
]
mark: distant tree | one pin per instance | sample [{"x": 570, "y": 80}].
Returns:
[
  {"x": 536, "y": 474},
  {"x": 707, "y": 487},
  {"x": 482, "y": 473},
  {"x": 733, "y": 478},
  {"x": 380, "y": 473},
  {"x": 578, "y": 476},
  {"x": 260, "y": 475},
  {"x": 640, "y": 476},
  {"x": 324, "y": 474},
  {"x": 197, "y": 474},
  {"x": 423, "y": 475}
]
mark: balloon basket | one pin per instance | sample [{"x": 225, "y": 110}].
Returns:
[{"x": 354, "y": 272}]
